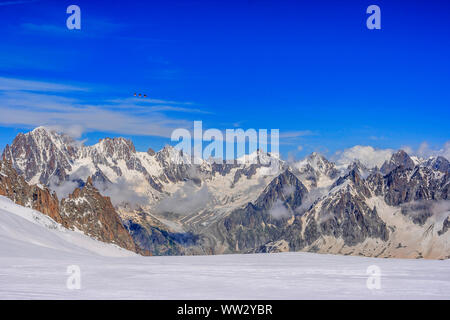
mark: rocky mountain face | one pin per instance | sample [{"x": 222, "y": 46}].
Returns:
[
  {"x": 41, "y": 154},
  {"x": 401, "y": 214},
  {"x": 438, "y": 164},
  {"x": 344, "y": 214},
  {"x": 85, "y": 209},
  {"x": 277, "y": 222},
  {"x": 398, "y": 159},
  {"x": 316, "y": 171},
  {"x": 264, "y": 220},
  {"x": 163, "y": 204},
  {"x": 14, "y": 187}
]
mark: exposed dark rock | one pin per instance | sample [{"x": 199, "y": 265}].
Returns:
[
  {"x": 87, "y": 210},
  {"x": 354, "y": 177},
  {"x": 440, "y": 164},
  {"x": 404, "y": 185},
  {"x": 445, "y": 226},
  {"x": 398, "y": 159},
  {"x": 314, "y": 166},
  {"x": 39, "y": 198},
  {"x": 41, "y": 155},
  {"x": 222, "y": 168},
  {"x": 348, "y": 217},
  {"x": 253, "y": 226}
]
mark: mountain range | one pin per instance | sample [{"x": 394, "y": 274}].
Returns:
[{"x": 161, "y": 203}]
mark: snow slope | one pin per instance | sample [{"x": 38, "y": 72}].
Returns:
[
  {"x": 26, "y": 233},
  {"x": 35, "y": 253}
]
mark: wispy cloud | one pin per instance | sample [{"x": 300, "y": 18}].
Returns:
[
  {"x": 91, "y": 28},
  {"x": 146, "y": 101},
  {"x": 295, "y": 134},
  {"x": 293, "y": 138},
  {"x": 47, "y": 28},
  {"x": 155, "y": 105},
  {"x": 377, "y": 138},
  {"x": 178, "y": 109},
  {"x": 93, "y": 119},
  {"x": 12, "y": 84},
  {"x": 10, "y": 3},
  {"x": 34, "y": 103},
  {"x": 425, "y": 150}
]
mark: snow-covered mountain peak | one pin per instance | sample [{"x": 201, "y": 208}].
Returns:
[
  {"x": 399, "y": 158},
  {"x": 259, "y": 157},
  {"x": 41, "y": 129},
  {"x": 360, "y": 168},
  {"x": 317, "y": 165},
  {"x": 316, "y": 171},
  {"x": 45, "y": 134},
  {"x": 41, "y": 154},
  {"x": 117, "y": 143},
  {"x": 171, "y": 155},
  {"x": 319, "y": 162},
  {"x": 116, "y": 149},
  {"x": 438, "y": 163}
]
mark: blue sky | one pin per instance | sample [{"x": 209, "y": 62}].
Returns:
[{"x": 309, "y": 68}]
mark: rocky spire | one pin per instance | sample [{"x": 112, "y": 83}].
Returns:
[
  {"x": 87, "y": 210},
  {"x": 400, "y": 158}
]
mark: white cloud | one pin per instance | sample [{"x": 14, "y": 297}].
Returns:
[
  {"x": 33, "y": 103},
  {"x": 93, "y": 119},
  {"x": 62, "y": 190},
  {"x": 279, "y": 210},
  {"x": 310, "y": 198},
  {"x": 367, "y": 155},
  {"x": 124, "y": 191},
  {"x": 371, "y": 157},
  {"x": 408, "y": 150},
  {"x": 187, "y": 200},
  {"x": 13, "y": 84},
  {"x": 288, "y": 190},
  {"x": 425, "y": 151}
]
